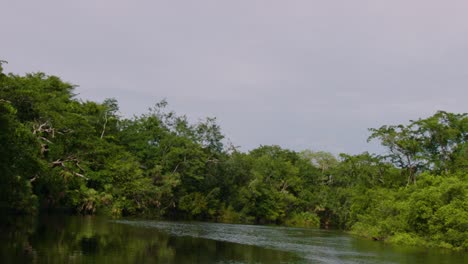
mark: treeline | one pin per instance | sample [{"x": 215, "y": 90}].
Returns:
[{"x": 61, "y": 153}]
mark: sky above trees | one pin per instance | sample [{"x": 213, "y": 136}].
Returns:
[{"x": 301, "y": 74}]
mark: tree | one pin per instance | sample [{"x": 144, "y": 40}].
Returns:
[
  {"x": 365, "y": 170},
  {"x": 435, "y": 143},
  {"x": 19, "y": 162},
  {"x": 325, "y": 161},
  {"x": 404, "y": 148},
  {"x": 443, "y": 138}
]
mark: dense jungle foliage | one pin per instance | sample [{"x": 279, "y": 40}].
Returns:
[{"x": 61, "y": 153}]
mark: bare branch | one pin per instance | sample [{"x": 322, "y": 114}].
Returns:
[
  {"x": 104, "y": 126},
  {"x": 44, "y": 127},
  {"x": 34, "y": 178},
  {"x": 61, "y": 163},
  {"x": 46, "y": 140},
  {"x": 80, "y": 175},
  {"x": 175, "y": 170}
]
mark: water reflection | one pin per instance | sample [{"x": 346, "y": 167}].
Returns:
[
  {"x": 71, "y": 239},
  {"x": 53, "y": 239}
]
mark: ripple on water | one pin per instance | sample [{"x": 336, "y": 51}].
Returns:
[{"x": 311, "y": 244}]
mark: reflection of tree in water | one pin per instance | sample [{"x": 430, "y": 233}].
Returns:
[
  {"x": 90, "y": 245},
  {"x": 64, "y": 239},
  {"x": 15, "y": 245}
]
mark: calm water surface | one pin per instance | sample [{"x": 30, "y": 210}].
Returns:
[{"x": 72, "y": 239}]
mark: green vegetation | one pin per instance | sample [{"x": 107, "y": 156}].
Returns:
[{"x": 61, "y": 153}]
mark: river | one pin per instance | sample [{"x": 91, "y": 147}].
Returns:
[{"x": 75, "y": 239}]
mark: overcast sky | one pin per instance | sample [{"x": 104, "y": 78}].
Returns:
[{"x": 300, "y": 74}]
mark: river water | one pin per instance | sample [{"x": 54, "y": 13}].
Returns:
[{"x": 73, "y": 239}]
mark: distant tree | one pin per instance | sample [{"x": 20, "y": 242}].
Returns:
[
  {"x": 443, "y": 138},
  {"x": 433, "y": 143},
  {"x": 323, "y": 160}
]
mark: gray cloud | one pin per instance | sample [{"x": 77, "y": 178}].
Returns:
[{"x": 302, "y": 74}]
